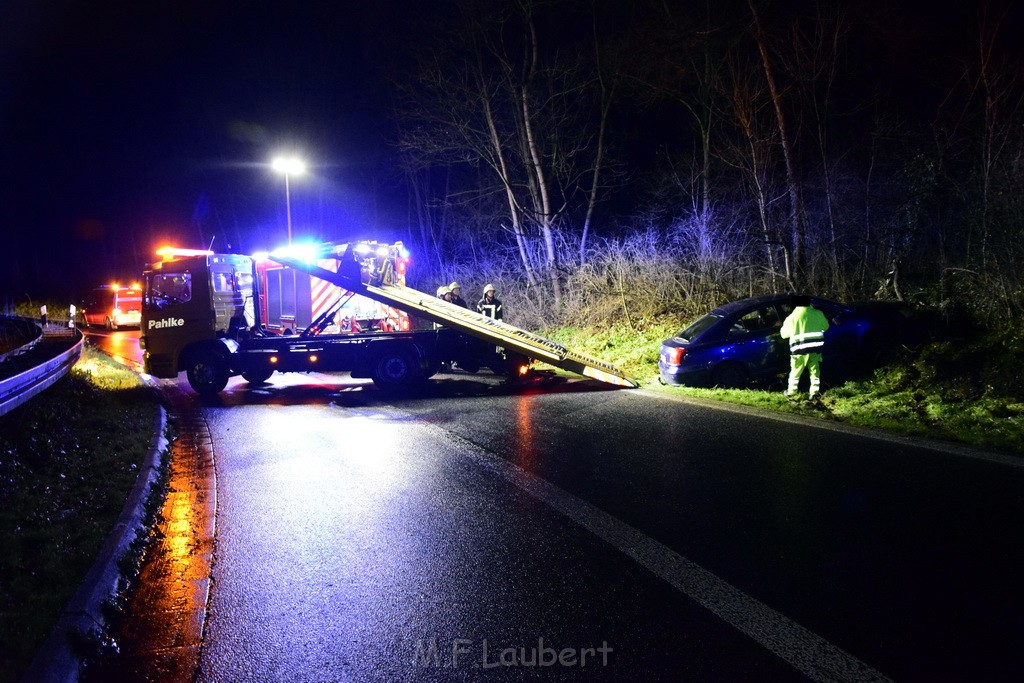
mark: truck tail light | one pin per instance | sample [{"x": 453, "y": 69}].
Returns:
[{"x": 674, "y": 355}]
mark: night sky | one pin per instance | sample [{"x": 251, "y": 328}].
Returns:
[{"x": 130, "y": 124}]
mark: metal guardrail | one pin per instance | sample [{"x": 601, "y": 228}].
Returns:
[
  {"x": 23, "y": 348},
  {"x": 17, "y": 390}
]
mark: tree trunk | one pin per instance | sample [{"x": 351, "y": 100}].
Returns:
[
  {"x": 513, "y": 206},
  {"x": 546, "y": 217},
  {"x": 796, "y": 207}
]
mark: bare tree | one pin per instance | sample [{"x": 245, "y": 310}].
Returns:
[
  {"x": 796, "y": 213},
  {"x": 510, "y": 98}
]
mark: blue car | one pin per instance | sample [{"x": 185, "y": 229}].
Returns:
[{"x": 738, "y": 344}]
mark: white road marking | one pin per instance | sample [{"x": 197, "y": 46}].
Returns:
[{"x": 803, "y": 649}]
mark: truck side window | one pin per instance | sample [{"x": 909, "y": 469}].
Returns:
[
  {"x": 222, "y": 282},
  {"x": 169, "y": 289}
]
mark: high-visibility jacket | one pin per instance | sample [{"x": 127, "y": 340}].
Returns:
[{"x": 805, "y": 329}]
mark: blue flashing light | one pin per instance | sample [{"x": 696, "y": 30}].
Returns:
[{"x": 300, "y": 252}]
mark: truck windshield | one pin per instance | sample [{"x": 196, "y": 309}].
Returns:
[{"x": 168, "y": 289}]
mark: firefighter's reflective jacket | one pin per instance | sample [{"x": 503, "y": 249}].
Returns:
[{"x": 805, "y": 329}]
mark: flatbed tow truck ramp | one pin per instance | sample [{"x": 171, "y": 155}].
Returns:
[{"x": 383, "y": 288}]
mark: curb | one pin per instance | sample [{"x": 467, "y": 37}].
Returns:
[{"x": 59, "y": 657}]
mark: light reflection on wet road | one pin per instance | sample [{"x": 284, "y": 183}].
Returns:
[{"x": 122, "y": 345}]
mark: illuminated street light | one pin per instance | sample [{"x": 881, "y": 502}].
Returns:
[{"x": 289, "y": 167}]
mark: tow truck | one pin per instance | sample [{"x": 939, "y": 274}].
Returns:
[{"x": 201, "y": 315}]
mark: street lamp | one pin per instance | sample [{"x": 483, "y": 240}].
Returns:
[{"x": 289, "y": 166}]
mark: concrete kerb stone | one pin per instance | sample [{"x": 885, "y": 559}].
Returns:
[{"x": 59, "y": 658}]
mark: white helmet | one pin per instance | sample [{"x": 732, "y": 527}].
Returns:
[
  {"x": 488, "y": 288},
  {"x": 442, "y": 290}
]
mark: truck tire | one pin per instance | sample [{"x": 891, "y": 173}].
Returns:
[
  {"x": 110, "y": 324},
  {"x": 207, "y": 373},
  {"x": 394, "y": 369},
  {"x": 257, "y": 376}
]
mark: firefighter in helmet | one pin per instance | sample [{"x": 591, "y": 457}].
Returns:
[
  {"x": 457, "y": 299},
  {"x": 444, "y": 292},
  {"x": 490, "y": 305},
  {"x": 805, "y": 329}
]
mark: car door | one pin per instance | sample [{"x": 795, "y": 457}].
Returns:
[
  {"x": 842, "y": 339},
  {"x": 754, "y": 341}
]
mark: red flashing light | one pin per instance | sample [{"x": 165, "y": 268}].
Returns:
[
  {"x": 401, "y": 263},
  {"x": 168, "y": 252}
]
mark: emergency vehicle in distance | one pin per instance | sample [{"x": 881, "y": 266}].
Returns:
[
  {"x": 207, "y": 314},
  {"x": 114, "y": 306}
]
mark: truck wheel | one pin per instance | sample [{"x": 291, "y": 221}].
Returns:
[
  {"x": 257, "y": 376},
  {"x": 394, "y": 369},
  {"x": 110, "y": 324},
  {"x": 207, "y": 373}
]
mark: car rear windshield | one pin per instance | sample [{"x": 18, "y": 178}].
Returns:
[{"x": 702, "y": 325}]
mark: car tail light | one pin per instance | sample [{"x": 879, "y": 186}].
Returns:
[{"x": 674, "y": 355}]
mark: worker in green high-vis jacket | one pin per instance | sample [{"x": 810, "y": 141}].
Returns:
[{"x": 805, "y": 329}]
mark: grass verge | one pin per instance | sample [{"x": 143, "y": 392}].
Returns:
[
  {"x": 68, "y": 460},
  {"x": 966, "y": 390}
]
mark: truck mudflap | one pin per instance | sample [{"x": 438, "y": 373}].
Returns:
[{"x": 470, "y": 322}]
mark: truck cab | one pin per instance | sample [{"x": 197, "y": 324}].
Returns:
[{"x": 194, "y": 305}]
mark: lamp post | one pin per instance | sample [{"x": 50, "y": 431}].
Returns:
[{"x": 289, "y": 167}]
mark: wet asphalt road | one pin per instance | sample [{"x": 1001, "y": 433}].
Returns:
[
  {"x": 122, "y": 345},
  {"x": 357, "y": 533},
  {"x": 442, "y": 537}
]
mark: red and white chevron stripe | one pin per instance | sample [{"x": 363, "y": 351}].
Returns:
[{"x": 324, "y": 294}]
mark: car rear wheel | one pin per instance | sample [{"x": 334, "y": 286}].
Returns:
[{"x": 730, "y": 376}]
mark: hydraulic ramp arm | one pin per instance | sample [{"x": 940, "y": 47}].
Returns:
[{"x": 470, "y": 322}]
